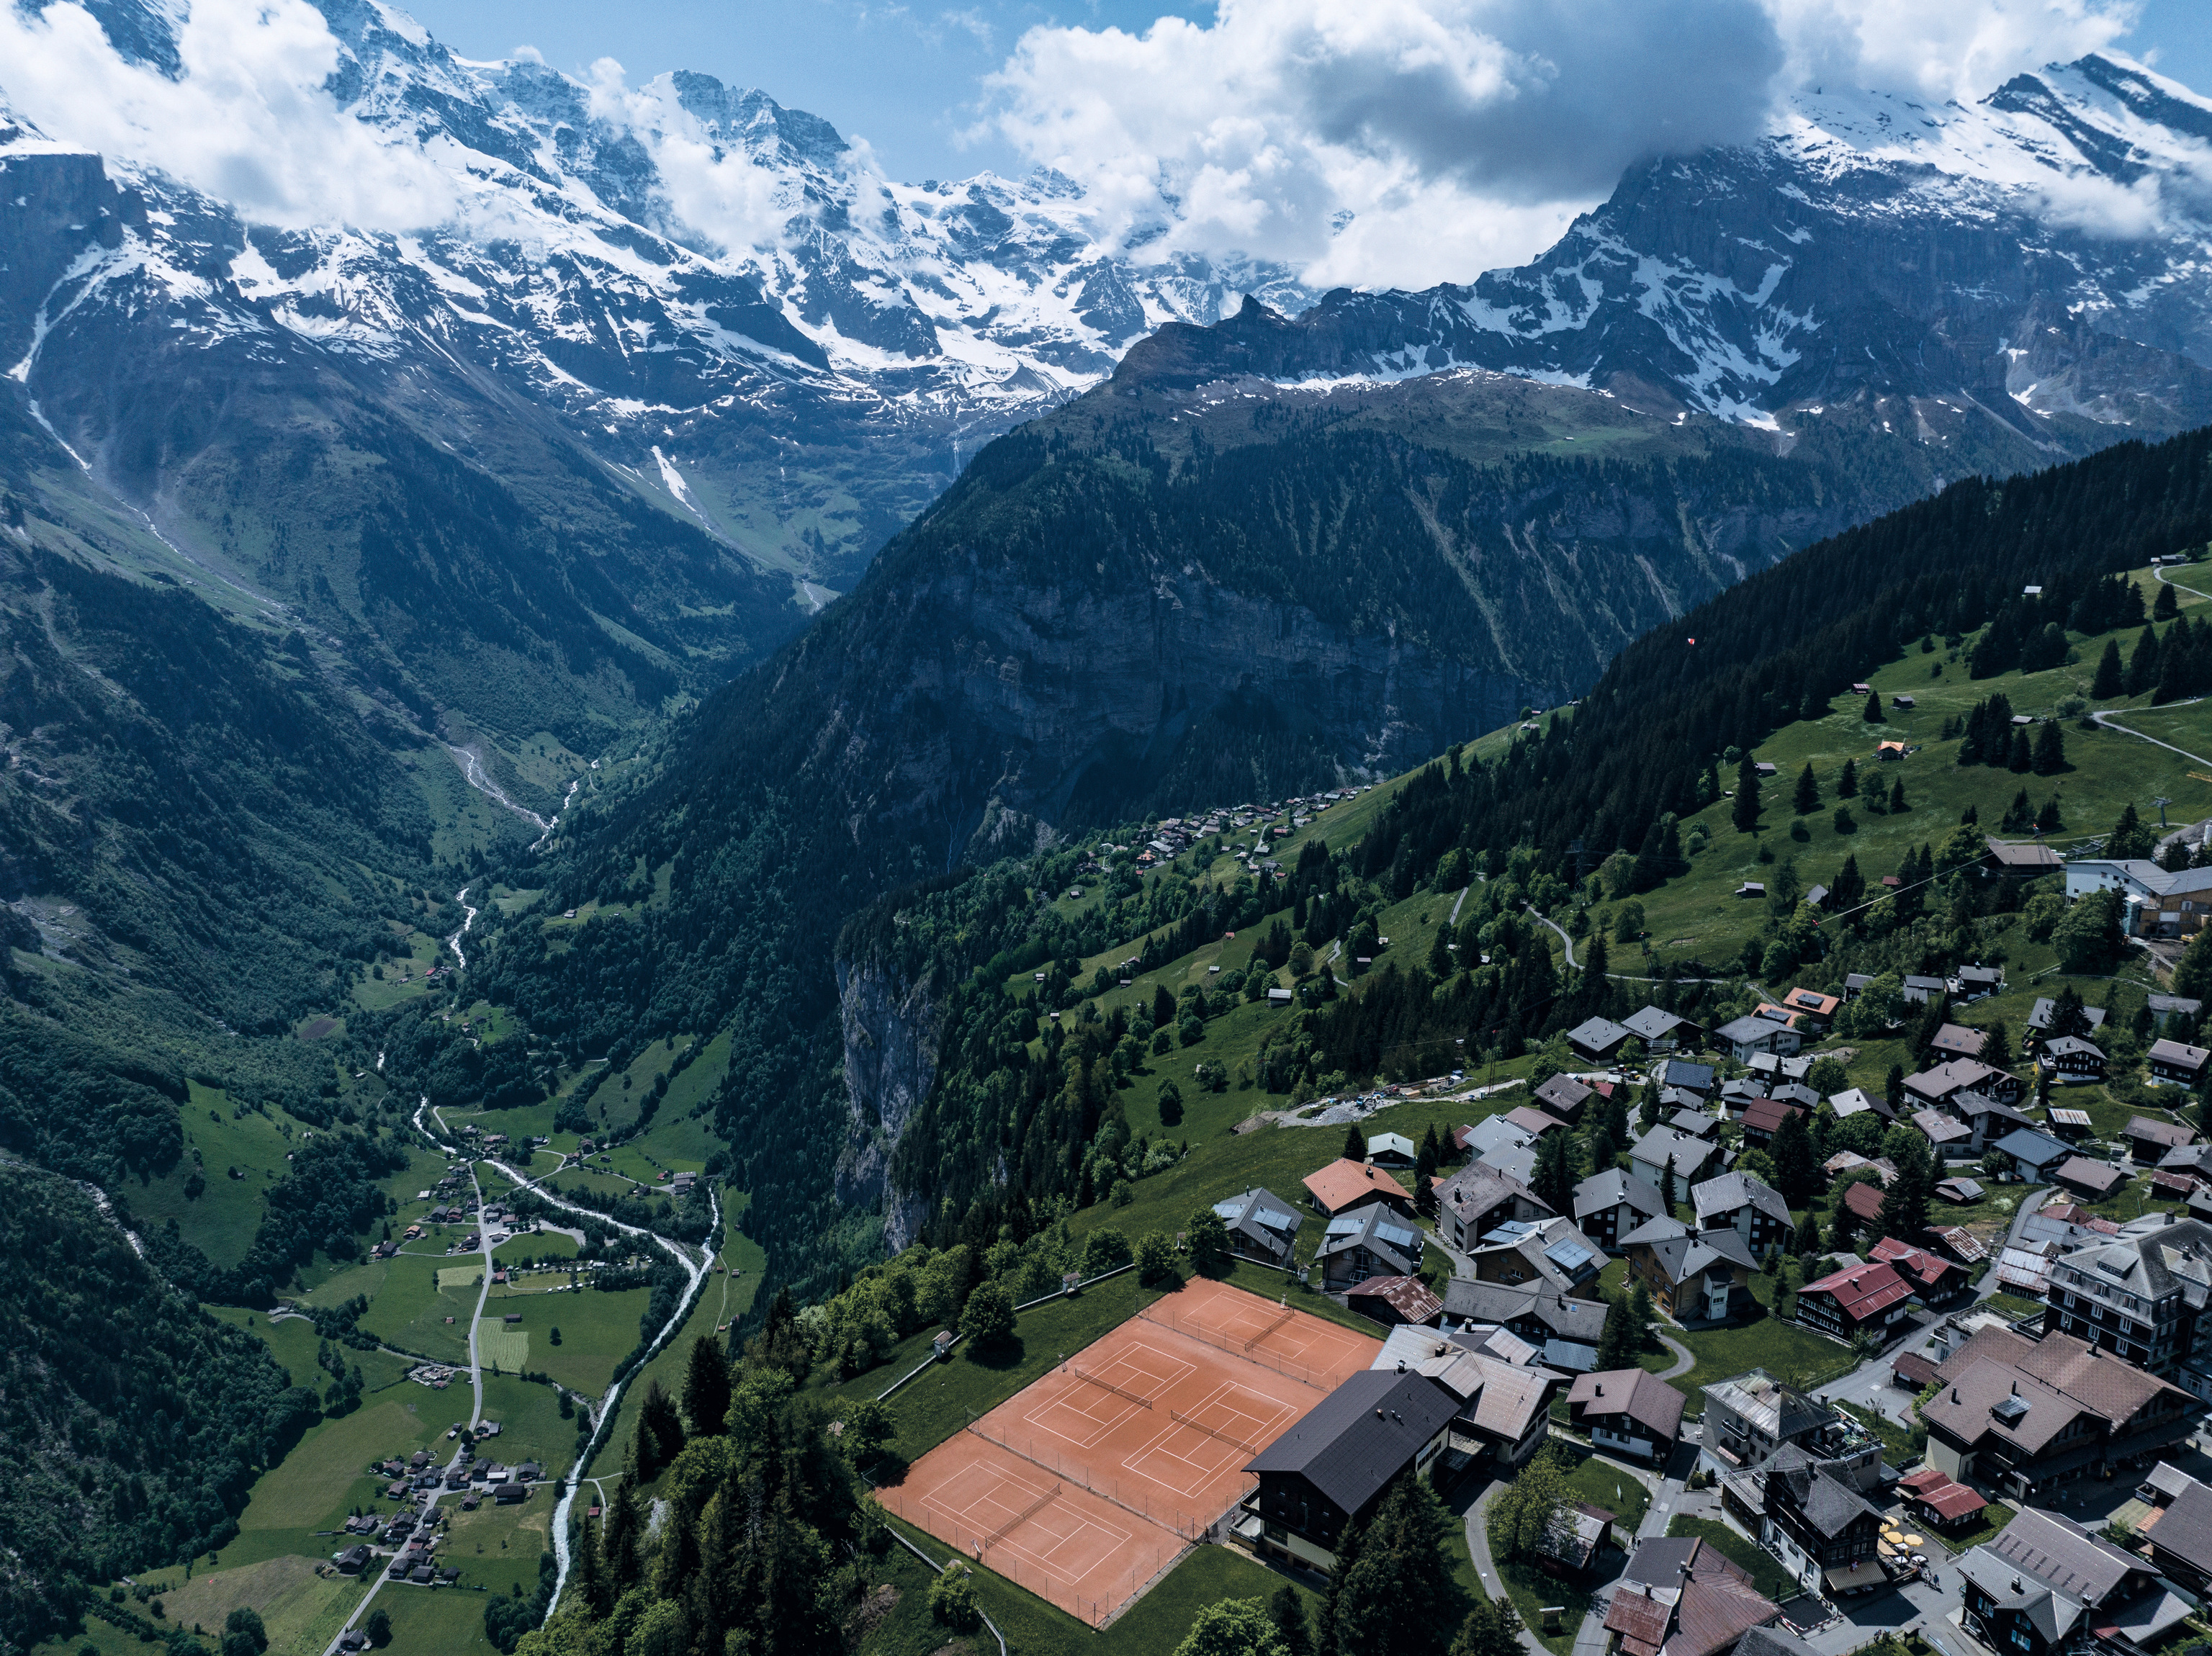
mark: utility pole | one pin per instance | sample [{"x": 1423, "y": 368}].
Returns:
[{"x": 2161, "y": 802}]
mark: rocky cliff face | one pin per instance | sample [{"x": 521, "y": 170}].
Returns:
[{"x": 891, "y": 1027}]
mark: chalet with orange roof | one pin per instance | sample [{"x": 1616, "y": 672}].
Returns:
[{"x": 1344, "y": 1185}]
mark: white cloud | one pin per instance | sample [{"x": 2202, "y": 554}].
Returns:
[
  {"x": 1459, "y": 134},
  {"x": 247, "y": 119},
  {"x": 1962, "y": 50}
]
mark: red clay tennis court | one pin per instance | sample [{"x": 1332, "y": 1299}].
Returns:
[{"x": 1088, "y": 1483}]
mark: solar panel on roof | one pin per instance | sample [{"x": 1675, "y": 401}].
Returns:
[
  {"x": 1569, "y": 1255},
  {"x": 1396, "y": 1237},
  {"x": 1343, "y": 1227}
]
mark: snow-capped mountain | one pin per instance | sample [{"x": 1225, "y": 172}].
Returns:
[
  {"x": 928, "y": 318},
  {"x": 2042, "y": 258},
  {"x": 667, "y": 365}
]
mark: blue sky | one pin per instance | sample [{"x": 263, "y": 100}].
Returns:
[{"x": 910, "y": 78}]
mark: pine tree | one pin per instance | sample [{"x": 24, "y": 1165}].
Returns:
[
  {"x": 1667, "y": 1188},
  {"x": 1997, "y": 1045},
  {"x": 1905, "y": 1206},
  {"x": 1554, "y": 1181},
  {"x": 624, "y": 1569},
  {"x": 1641, "y": 1313},
  {"x": 1287, "y": 1611},
  {"x": 1849, "y": 886},
  {"x": 2022, "y": 759},
  {"x": 2129, "y": 837},
  {"x": 1872, "y": 712},
  {"x": 2111, "y": 678},
  {"x": 1797, "y": 1168},
  {"x": 1808, "y": 792},
  {"x": 1617, "y": 1342},
  {"x": 706, "y": 1387},
  {"x": 1809, "y": 1233},
  {"x": 2167, "y": 606},
  {"x": 2143, "y": 664},
  {"x": 2050, "y": 750},
  {"x": 1847, "y": 780},
  {"x": 2048, "y": 820},
  {"x": 1897, "y": 805},
  {"x": 1744, "y": 812},
  {"x": 1355, "y": 1143}
]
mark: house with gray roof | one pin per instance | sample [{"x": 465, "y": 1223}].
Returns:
[
  {"x": 1368, "y": 1241},
  {"x": 1751, "y": 1414},
  {"x": 1610, "y": 1204},
  {"x": 1753, "y": 1034},
  {"x": 1538, "y": 1253},
  {"x": 1517, "y": 1161},
  {"x": 2142, "y": 1297},
  {"x": 1565, "y": 1097},
  {"x": 2034, "y": 1154},
  {"x": 1491, "y": 1133},
  {"x": 2181, "y": 1540},
  {"x": 1262, "y": 1226},
  {"x": 1598, "y": 1040},
  {"x": 1985, "y": 1118},
  {"x": 1818, "y": 1523},
  {"x": 1563, "y": 1329},
  {"x": 2047, "y": 1584},
  {"x": 1330, "y": 1469},
  {"x": 1479, "y": 1197},
  {"x": 1661, "y": 1032},
  {"x": 1689, "y": 1157},
  {"x": 1691, "y": 1274},
  {"x": 1745, "y": 1204},
  {"x": 1505, "y": 1406}
]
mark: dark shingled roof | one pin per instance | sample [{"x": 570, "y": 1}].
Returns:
[
  {"x": 1361, "y": 1435},
  {"x": 2184, "y": 1528}
]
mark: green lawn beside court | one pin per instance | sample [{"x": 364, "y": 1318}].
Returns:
[{"x": 1155, "y": 1624}]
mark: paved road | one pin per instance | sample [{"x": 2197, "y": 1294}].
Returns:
[
  {"x": 1685, "y": 1359},
  {"x": 2106, "y": 720},
  {"x": 1478, "y": 1547}
]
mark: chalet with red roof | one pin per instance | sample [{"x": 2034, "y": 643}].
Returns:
[{"x": 1869, "y": 1299}]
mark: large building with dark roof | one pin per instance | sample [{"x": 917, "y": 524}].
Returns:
[
  {"x": 2023, "y": 1416},
  {"x": 2046, "y": 1584},
  {"x": 2143, "y": 1298},
  {"x": 1332, "y": 1468},
  {"x": 1564, "y": 1329}
]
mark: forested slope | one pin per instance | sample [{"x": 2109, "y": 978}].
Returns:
[{"x": 136, "y": 1421}]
